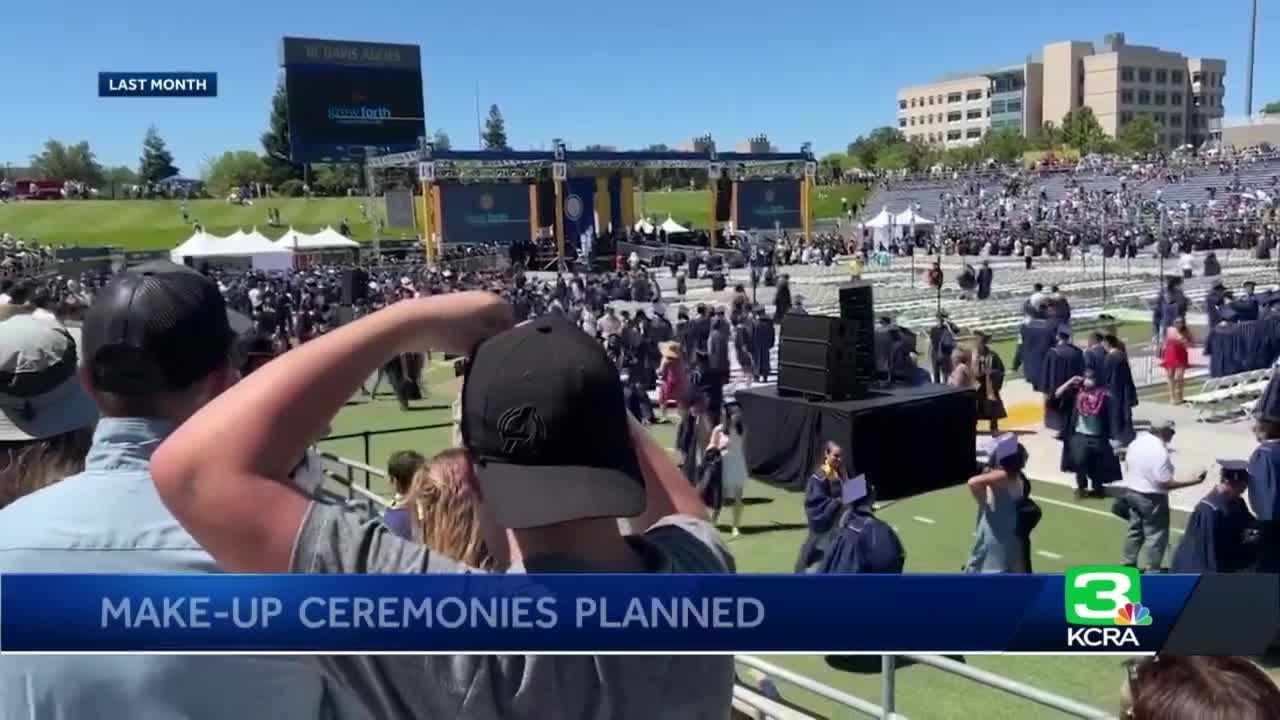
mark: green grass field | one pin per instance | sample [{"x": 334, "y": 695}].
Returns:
[
  {"x": 693, "y": 207},
  {"x": 158, "y": 224},
  {"x": 935, "y": 528}
]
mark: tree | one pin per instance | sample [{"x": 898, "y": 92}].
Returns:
[
  {"x": 1271, "y": 108},
  {"x": 67, "y": 162},
  {"x": 1048, "y": 137},
  {"x": 1006, "y": 145},
  {"x": 1080, "y": 130},
  {"x": 831, "y": 166},
  {"x": 1139, "y": 135},
  {"x": 865, "y": 151},
  {"x": 495, "y": 130},
  {"x": 441, "y": 140},
  {"x": 156, "y": 163},
  {"x": 275, "y": 141},
  {"x": 120, "y": 175},
  {"x": 234, "y": 169},
  {"x": 335, "y": 179}
]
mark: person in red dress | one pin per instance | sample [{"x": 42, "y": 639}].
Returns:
[
  {"x": 1176, "y": 358},
  {"x": 672, "y": 377}
]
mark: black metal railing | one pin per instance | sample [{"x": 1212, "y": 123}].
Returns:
[{"x": 367, "y": 436}]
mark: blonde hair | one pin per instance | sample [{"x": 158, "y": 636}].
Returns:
[
  {"x": 28, "y": 465},
  {"x": 444, "y": 502}
]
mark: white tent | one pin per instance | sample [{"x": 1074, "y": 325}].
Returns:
[
  {"x": 644, "y": 226},
  {"x": 194, "y": 246},
  {"x": 881, "y": 226},
  {"x": 881, "y": 220},
  {"x": 671, "y": 226},
  {"x": 910, "y": 217},
  {"x": 293, "y": 240},
  {"x": 326, "y": 239},
  {"x": 264, "y": 254}
]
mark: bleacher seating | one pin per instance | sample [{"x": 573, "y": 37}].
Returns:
[{"x": 1228, "y": 397}]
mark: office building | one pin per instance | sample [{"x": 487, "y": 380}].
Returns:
[{"x": 1117, "y": 81}]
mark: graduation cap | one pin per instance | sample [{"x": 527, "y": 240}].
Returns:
[
  {"x": 1064, "y": 331},
  {"x": 1006, "y": 446},
  {"x": 1234, "y": 470},
  {"x": 1227, "y": 313}
]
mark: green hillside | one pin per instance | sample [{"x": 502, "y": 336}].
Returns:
[{"x": 158, "y": 224}]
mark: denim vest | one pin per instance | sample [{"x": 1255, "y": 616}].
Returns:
[{"x": 109, "y": 519}]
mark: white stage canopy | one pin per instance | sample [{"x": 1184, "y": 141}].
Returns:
[{"x": 644, "y": 226}]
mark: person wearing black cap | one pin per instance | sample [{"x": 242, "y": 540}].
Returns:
[
  {"x": 989, "y": 375},
  {"x": 558, "y": 462},
  {"x": 1215, "y": 540},
  {"x": 156, "y": 347},
  {"x": 1063, "y": 362},
  {"x": 942, "y": 343},
  {"x": 1118, "y": 377},
  {"x": 1082, "y": 403},
  {"x": 1246, "y": 307}
]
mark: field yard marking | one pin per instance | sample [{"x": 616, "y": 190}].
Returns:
[
  {"x": 1103, "y": 513},
  {"x": 1046, "y": 553},
  {"x": 925, "y": 520}
]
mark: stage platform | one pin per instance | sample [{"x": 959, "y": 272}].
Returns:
[{"x": 908, "y": 440}]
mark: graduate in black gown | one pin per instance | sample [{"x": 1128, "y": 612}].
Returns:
[
  {"x": 822, "y": 509},
  {"x": 1036, "y": 338},
  {"x": 989, "y": 376},
  {"x": 1118, "y": 378},
  {"x": 1095, "y": 355},
  {"x": 864, "y": 543},
  {"x": 1264, "y": 478},
  {"x": 1215, "y": 538},
  {"x": 984, "y": 280},
  {"x": 1062, "y": 363},
  {"x": 763, "y": 338}
]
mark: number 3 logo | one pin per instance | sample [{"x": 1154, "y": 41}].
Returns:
[{"x": 1095, "y": 594}]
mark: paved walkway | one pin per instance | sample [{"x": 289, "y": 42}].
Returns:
[{"x": 1197, "y": 445}]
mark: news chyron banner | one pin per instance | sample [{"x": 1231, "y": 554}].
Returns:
[
  {"x": 496, "y": 213},
  {"x": 346, "y": 98},
  {"x": 1099, "y": 609},
  {"x": 766, "y": 204}
]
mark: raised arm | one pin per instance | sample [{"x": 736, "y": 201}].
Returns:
[{"x": 224, "y": 472}]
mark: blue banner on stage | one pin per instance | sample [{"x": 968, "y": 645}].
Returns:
[
  {"x": 579, "y": 207},
  {"x": 764, "y": 205},
  {"x": 1103, "y": 611},
  {"x": 491, "y": 213}
]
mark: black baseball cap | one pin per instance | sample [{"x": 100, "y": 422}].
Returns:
[
  {"x": 158, "y": 327},
  {"x": 544, "y": 418}
]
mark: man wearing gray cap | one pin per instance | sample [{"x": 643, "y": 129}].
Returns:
[{"x": 1149, "y": 478}]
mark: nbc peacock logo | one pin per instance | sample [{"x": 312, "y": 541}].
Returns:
[{"x": 1133, "y": 614}]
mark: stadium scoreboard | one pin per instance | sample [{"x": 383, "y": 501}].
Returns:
[{"x": 345, "y": 97}]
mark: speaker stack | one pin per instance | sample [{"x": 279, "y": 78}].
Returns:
[
  {"x": 829, "y": 358},
  {"x": 355, "y": 285}
]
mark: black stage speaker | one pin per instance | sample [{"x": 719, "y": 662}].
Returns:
[
  {"x": 717, "y": 281},
  {"x": 355, "y": 285},
  {"x": 821, "y": 358}
]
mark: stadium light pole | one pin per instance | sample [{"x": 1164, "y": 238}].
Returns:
[{"x": 1248, "y": 71}]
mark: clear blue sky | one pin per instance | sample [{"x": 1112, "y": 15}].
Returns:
[{"x": 612, "y": 72}]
